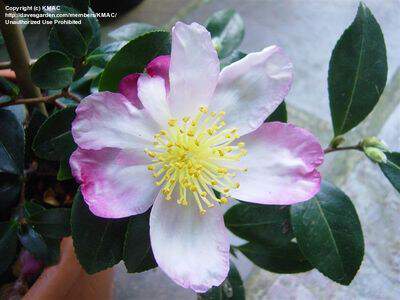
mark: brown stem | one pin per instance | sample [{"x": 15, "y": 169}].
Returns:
[
  {"x": 330, "y": 149},
  {"x": 67, "y": 94},
  {"x": 7, "y": 64},
  {"x": 45, "y": 99},
  {"x": 19, "y": 56}
]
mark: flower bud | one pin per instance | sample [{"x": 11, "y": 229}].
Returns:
[
  {"x": 373, "y": 141},
  {"x": 375, "y": 154}
]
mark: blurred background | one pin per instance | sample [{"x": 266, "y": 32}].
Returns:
[{"x": 307, "y": 30}]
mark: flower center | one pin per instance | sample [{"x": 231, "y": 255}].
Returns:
[{"x": 194, "y": 156}]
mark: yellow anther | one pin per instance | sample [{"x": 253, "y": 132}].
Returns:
[
  {"x": 172, "y": 122},
  {"x": 237, "y": 185},
  {"x": 203, "y": 109},
  {"x": 224, "y": 200},
  {"x": 193, "y": 157}
]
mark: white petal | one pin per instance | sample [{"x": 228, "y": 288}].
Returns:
[
  {"x": 281, "y": 161},
  {"x": 194, "y": 69},
  {"x": 114, "y": 183},
  {"x": 250, "y": 89},
  {"x": 110, "y": 120},
  {"x": 192, "y": 249},
  {"x": 152, "y": 94}
]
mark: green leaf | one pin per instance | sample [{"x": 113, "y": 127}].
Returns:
[
  {"x": 231, "y": 289},
  {"x": 279, "y": 114},
  {"x": 33, "y": 242},
  {"x": 329, "y": 233},
  {"x": 52, "y": 70},
  {"x": 53, "y": 251},
  {"x": 284, "y": 259},
  {"x": 138, "y": 256},
  {"x": 260, "y": 223},
  {"x": 234, "y": 57},
  {"x": 31, "y": 208},
  {"x": 227, "y": 31},
  {"x": 37, "y": 118},
  {"x": 11, "y": 144},
  {"x": 391, "y": 169},
  {"x": 8, "y": 88},
  {"x": 54, "y": 139},
  {"x": 11, "y": 158},
  {"x": 144, "y": 48},
  {"x": 130, "y": 31},
  {"x": 98, "y": 242},
  {"x": 74, "y": 39},
  {"x": 96, "y": 35},
  {"x": 52, "y": 223},
  {"x": 64, "y": 171},
  {"x": 82, "y": 86},
  {"x": 102, "y": 55},
  {"x": 357, "y": 72},
  {"x": 8, "y": 244}
]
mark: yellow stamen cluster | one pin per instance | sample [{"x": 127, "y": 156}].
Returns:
[{"x": 192, "y": 157}]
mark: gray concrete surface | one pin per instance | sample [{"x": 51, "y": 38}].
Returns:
[{"x": 308, "y": 31}]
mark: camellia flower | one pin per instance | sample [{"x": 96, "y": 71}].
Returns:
[{"x": 183, "y": 129}]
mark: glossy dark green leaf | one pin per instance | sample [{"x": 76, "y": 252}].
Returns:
[
  {"x": 52, "y": 223},
  {"x": 279, "y": 115},
  {"x": 235, "y": 56},
  {"x": 11, "y": 144},
  {"x": 37, "y": 118},
  {"x": 231, "y": 289},
  {"x": 94, "y": 86},
  {"x": 31, "y": 208},
  {"x": 82, "y": 86},
  {"x": 95, "y": 40},
  {"x": 64, "y": 171},
  {"x": 260, "y": 223},
  {"x": 8, "y": 244},
  {"x": 357, "y": 72},
  {"x": 54, "y": 139},
  {"x": 33, "y": 242},
  {"x": 130, "y": 31},
  {"x": 283, "y": 259},
  {"x": 53, "y": 251},
  {"x": 391, "y": 169},
  {"x": 102, "y": 55},
  {"x": 8, "y": 88},
  {"x": 144, "y": 48},
  {"x": 138, "y": 256},
  {"x": 11, "y": 158},
  {"x": 227, "y": 31},
  {"x": 53, "y": 70},
  {"x": 74, "y": 39},
  {"x": 10, "y": 188},
  {"x": 329, "y": 233},
  {"x": 98, "y": 242}
]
